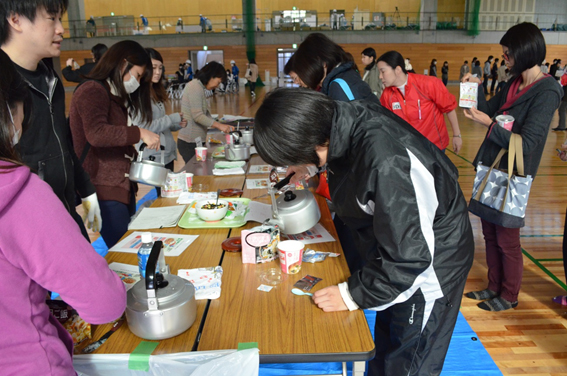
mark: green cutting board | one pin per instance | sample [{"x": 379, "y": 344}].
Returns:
[{"x": 192, "y": 220}]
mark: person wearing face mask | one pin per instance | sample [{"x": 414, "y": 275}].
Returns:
[
  {"x": 103, "y": 133},
  {"x": 433, "y": 68},
  {"x": 196, "y": 110},
  {"x": 41, "y": 250},
  {"x": 161, "y": 123}
]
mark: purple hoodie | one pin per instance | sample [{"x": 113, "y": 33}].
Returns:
[{"x": 41, "y": 248}]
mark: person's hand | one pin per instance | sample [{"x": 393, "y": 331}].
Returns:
[
  {"x": 329, "y": 299},
  {"x": 457, "y": 144},
  {"x": 225, "y": 128},
  {"x": 468, "y": 77},
  {"x": 69, "y": 62},
  {"x": 92, "y": 217},
  {"x": 183, "y": 123},
  {"x": 478, "y": 116},
  {"x": 150, "y": 139},
  {"x": 301, "y": 172}
]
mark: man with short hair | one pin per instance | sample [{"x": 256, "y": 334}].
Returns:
[{"x": 31, "y": 34}]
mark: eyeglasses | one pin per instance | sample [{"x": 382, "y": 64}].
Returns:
[{"x": 506, "y": 56}]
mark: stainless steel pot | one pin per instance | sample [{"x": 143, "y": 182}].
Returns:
[
  {"x": 237, "y": 152},
  {"x": 294, "y": 211},
  {"x": 158, "y": 307},
  {"x": 148, "y": 172},
  {"x": 247, "y": 136}
]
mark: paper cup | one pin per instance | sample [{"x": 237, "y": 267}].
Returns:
[
  {"x": 228, "y": 137},
  {"x": 291, "y": 253},
  {"x": 189, "y": 180},
  {"x": 201, "y": 154}
]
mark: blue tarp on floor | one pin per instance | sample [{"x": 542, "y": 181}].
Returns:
[{"x": 466, "y": 356}]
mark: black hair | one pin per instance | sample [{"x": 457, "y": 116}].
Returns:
[
  {"x": 158, "y": 90},
  {"x": 489, "y": 57},
  {"x": 477, "y": 63},
  {"x": 504, "y": 62},
  {"x": 290, "y": 124},
  {"x": 526, "y": 46},
  {"x": 445, "y": 62},
  {"x": 316, "y": 52},
  {"x": 288, "y": 68},
  {"x": 252, "y": 61},
  {"x": 27, "y": 9},
  {"x": 13, "y": 90},
  {"x": 466, "y": 61},
  {"x": 370, "y": 52},
  {"x": 393, "y": 59},
  {"x": 433, "y": 61},
  {"x": 209, "y": 71},
  {"x": 111, "y": 66},
  {"x": 98, "y": 50}
]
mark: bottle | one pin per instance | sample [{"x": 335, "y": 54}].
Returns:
[{"x": 144, "y": 252}]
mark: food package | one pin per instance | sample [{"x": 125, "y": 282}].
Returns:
[
  {"x": 175, "y": 184},
  {"x": 468, "y": 97},
  {"x": 259, "y": 244},
  {"x": 69, "y": 318}
]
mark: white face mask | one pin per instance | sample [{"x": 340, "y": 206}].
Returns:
[
  {"x": 16, "y": 135},
  {"x": 131, "y": 85}
]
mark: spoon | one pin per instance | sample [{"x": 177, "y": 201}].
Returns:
[
  {"x": 218, "y": 195},
  {"x": 300, "y": 292}
]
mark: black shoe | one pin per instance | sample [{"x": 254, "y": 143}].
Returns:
[{"x": 559, "y": 129}]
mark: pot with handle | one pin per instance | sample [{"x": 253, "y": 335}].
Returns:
[
  {"x": 159, "y": 308},
  {"x": 237, "y": 151},
  {"x": 248, "y": 136},
  {"x": 147, "y": 171}
]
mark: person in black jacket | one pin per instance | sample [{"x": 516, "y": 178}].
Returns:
[
  {"x": 400, "y": 196},
  {"x": 47, "y": 146},
  {"x": 78, "y": 75}
]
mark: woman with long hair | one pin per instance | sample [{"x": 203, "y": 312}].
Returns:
[
  {"x": 531, "y": 98},
  {"x": 41, "y": 249},
  {"x": 101, "y": 114},
  {"x": 196, "y": 110},
  {"x": 433, "y": 68},
  {"x": 371, "y": 74},
  {"x": 161, "y": 123}
]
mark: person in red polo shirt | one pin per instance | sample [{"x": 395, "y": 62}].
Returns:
[{"x": 420, "y": 100}]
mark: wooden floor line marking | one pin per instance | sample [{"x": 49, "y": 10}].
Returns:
[{"x": 545, "y": 270}]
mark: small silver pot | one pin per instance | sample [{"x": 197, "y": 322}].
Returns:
[
  {"x": 148, "y": 172},
  {"x": 295, "y": 211},
  {"x": 159, "y": 308},
  {"x": 237, "y": 152}
]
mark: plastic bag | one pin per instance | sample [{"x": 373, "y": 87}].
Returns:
[{"x": 198, "y": 363}]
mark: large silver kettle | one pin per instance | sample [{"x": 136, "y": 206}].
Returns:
[
  {"x": 248, "y": 136},
  {"x": 237, "y": 151},
  {"x": 148, "y": 171},
  {"x": 160, "y": 306},
  {"x": 294, "y": 211}
]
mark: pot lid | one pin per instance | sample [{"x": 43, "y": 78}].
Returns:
[
  {"x": 292, "y": 201},
  {"x": 177, "y": 292},
  {"x": 238, "y": 146}
]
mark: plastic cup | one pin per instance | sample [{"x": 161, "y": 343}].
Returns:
[
  {"x": 201, "y": 154},
  {"x": 189, "y": 180},
  {"x": 291, "y": 254}
]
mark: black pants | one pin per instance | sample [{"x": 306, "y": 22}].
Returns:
[
  {"x": 402, "y": 347},
  {"x": 485, "y": 83},
  {"x": 186, "y": 149},
  {"x": 115, "y": 218},
  {"x": 494, "y": 80},
  {"x": 252, "y": 86}
]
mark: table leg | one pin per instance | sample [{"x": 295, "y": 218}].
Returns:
[{"x": 358, "y": 368}]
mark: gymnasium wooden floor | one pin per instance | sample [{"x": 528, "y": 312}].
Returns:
[{"x": 532, "y": 338}]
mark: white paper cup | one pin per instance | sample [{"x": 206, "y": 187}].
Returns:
[
  {"x": 201, "y": 154},
  {"x": 189, "y": 180},
  {"x": 291, "y": 254}
]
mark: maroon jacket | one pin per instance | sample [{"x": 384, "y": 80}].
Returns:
[{"x": 101, "y": 119}]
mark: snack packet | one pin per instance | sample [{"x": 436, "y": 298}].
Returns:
[
  {"x": 468, "y": 95},
  {"x": 69, "y": 318}
]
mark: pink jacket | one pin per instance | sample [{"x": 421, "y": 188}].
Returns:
[{"x": 41, "y": 249}]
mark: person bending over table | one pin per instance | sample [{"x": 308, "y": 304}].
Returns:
[
  {"x": 41, "y": 249},
  {"x": 400, "y": 196},
  {"x": 196, "y": 110},
  {"x": 101, "y": 123}
]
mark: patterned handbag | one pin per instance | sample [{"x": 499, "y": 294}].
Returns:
[{"x": 499, "y": 196}]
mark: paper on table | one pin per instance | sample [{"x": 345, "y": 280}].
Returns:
[
  {"x": 253, "y": 150},
  {"x": 257, "y": 183},
  {"x": 129, "y": 274},
  {"x": 317, "y": 234},
  {"x": 150, "y": 218},
  {"x": 261, "y": 169},
  {"x": 228, "y": 171},
  {"x": 188, "y": 197},
  {"x": 207, "y": 281},
  {"x": 173, "y": 244},
  {"x": 258, "y": 212}
]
